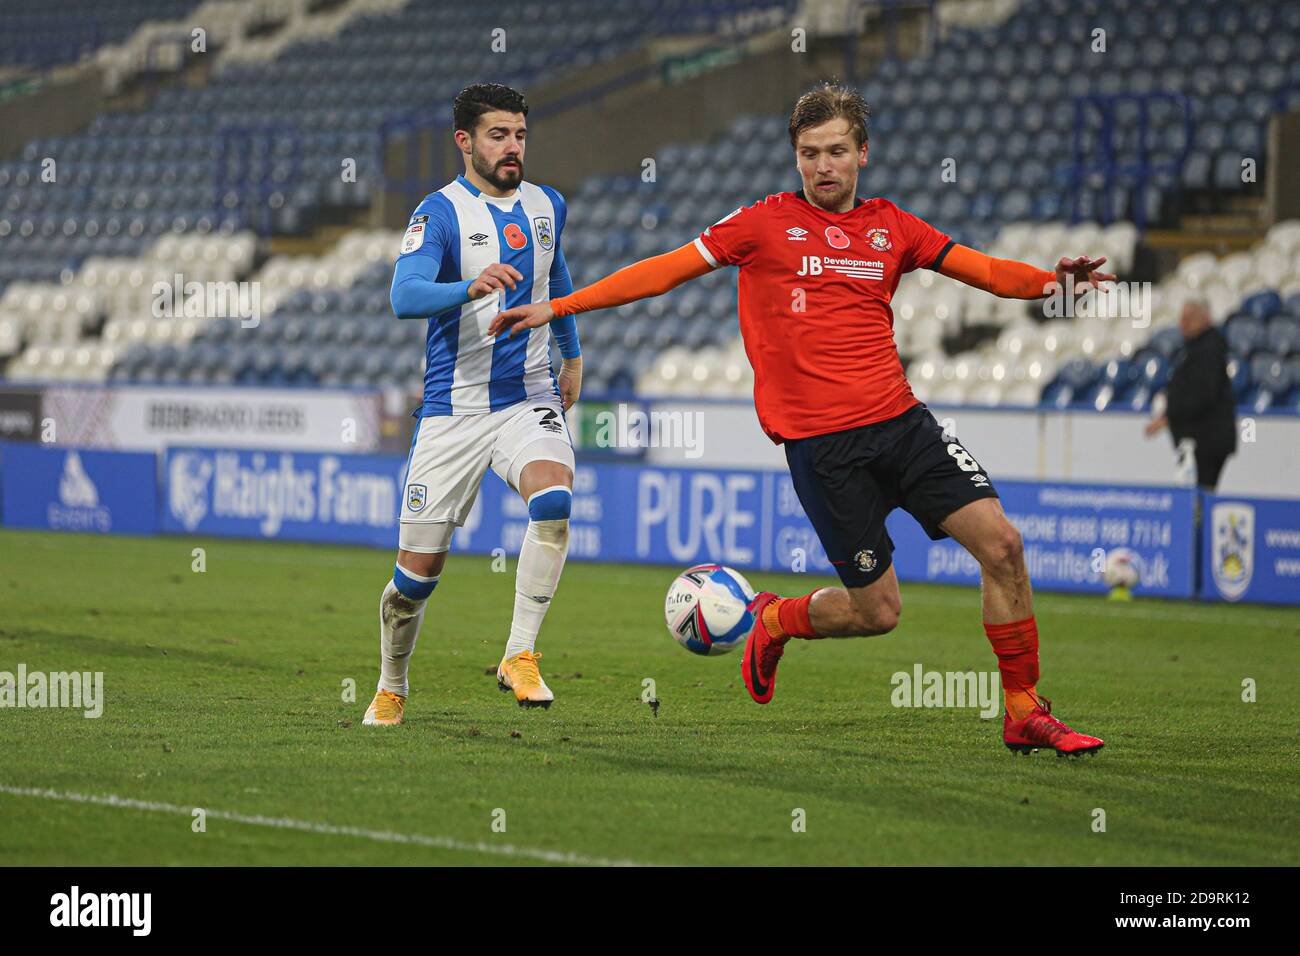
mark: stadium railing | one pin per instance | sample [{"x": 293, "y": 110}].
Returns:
[{"x": 1138, "y": 175}]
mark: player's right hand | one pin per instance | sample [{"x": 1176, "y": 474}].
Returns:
[{"x": 493, "y": 278}]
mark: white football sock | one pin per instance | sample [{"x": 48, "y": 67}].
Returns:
[
  {"x": 399, "y": 625},
  {"x": 541, "y": 559}
]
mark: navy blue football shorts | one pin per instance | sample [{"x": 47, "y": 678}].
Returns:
[{"x": 848, "y": 482}]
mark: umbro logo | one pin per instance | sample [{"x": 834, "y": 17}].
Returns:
[
  {"x": 796, "y": 234},
  {"x": 479, "y": 239}
]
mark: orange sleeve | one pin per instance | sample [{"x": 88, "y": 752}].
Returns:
[
  {"x": 1004, "y": 277},
  {"x": 641, "y": 280}
]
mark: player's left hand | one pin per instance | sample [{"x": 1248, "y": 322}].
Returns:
[
  {"x": 570, "y": 381},
  {"x": 1084, "y": 271},
  {"x": 521, "y": 317}
]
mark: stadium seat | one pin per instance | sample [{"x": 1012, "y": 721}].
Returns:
[{"x": 1245, "y": 334}]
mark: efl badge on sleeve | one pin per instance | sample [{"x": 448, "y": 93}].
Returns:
[{"x": 414, "y": 237}]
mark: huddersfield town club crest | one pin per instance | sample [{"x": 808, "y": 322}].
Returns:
[
  {"x": 1233, "y": 555},
  {"x": 545, "y": 238},
  {"x": 416, "y": 496}
]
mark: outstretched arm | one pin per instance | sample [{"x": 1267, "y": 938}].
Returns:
[
  {"x": 1018, "y": 280},
  {"x": 641, "y": 280}
]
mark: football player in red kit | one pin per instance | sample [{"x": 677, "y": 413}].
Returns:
[{"x": 818, "y": 268}]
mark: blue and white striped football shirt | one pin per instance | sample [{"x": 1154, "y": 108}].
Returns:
[{"x": 453, "y": 234}]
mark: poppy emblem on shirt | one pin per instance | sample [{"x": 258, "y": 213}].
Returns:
[
  {"x": 835, "y": 238},
  {"x": 879, "y": 239},
  {"x": 515, "y": 237}
]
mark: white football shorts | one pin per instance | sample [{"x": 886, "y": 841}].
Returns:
[{"x": 450, "y": 456}]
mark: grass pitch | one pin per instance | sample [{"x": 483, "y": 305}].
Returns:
[{"x": 224, "y": 691}]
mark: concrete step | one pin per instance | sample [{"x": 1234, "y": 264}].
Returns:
[{"x": 1185, "y": 242}]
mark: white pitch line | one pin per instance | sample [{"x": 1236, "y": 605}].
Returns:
[{"x": 309, "y": 826}]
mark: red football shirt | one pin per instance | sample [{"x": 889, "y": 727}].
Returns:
[{"x": 814, "y": 307}]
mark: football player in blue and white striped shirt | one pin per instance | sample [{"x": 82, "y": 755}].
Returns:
[{"x": 485, "y": 242}]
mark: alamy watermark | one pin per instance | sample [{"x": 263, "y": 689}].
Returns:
[
  {"x": 208, "y": 300},
  {"x": 78, "y": 690},
  {"x": 1117, "y": 300},
  {"x": 922, "y": 688},
  {"x": 130, "y": 910},
  {"x": 629, "y": 427}
]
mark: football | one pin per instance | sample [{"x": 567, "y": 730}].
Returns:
[
  {"x": 707, "y": 609},
  {"x": 1122, "y": 571}
]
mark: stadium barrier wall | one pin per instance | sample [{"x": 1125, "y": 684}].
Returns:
[
  {"x": 149, "y": 418},
  {"x": 1250, "y": 550},
  {"x": 71, "y": 489},
  {"x": 1014, "y": 444},
  {"x": 1021, "y": 444},
  {"x": 749, "y": 519}
]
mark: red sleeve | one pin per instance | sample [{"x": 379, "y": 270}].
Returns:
[
  {"x": 926, "y": 245},
  {"x": 732, "y": 239}
]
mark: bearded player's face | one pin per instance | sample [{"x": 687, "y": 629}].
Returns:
[
  {"x": 829, "y": 160},
  {"x": 497, "y": 148}
]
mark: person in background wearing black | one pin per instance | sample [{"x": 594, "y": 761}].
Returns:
[{"x": 1200, "y": 404}]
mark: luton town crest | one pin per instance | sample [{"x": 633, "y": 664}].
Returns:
[
  {"x": 879, "y": 239},
  {"x": 545, "y": 238},
  {"x": 416, "y": 496}
]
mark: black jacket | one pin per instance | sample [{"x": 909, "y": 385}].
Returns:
[{"x": 1201, "y": 403}]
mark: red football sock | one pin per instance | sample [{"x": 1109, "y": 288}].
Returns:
[
  {"x": 1016, "y": 645},
  {"x": 790, "y": 617}
]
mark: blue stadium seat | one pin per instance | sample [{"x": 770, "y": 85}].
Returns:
[
  {"x": 1167, "y": 341},
  {"x": 1152, "y": 370},
  {"x": 1283, "y": 335},
  {"x": 1262, "y": 305},
  {"x": 1245, "y": 334},
  {"x": 1057, "y": 395}
]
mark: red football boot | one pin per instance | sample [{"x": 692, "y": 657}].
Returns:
[
  {"x": 762, "y": 653},
  {"x": 1040, "y": 730}
]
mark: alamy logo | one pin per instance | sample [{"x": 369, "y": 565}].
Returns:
[
  {"x": 133, "y": 910},
  {"x": 627, "y": 427},
  {"x": 73, "y": 690},
  {"x": 922, "y": 688},
  {"x": 211, "y": 300}
]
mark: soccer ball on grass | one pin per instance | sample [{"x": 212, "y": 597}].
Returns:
[{"x": 707, "y": 609}]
